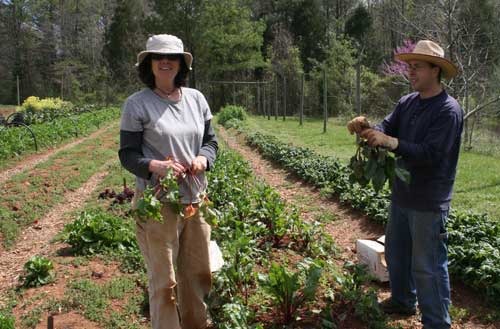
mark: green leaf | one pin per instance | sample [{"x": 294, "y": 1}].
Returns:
[
  {"x": 370, "y": 168},
  {"x": 378, "y": 180},
  {"x": 312, "y": 280},
  {"x": 390, "y": 166},
  {"x": 403, "y": 174}
]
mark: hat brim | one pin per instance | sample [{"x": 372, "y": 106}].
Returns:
[
  {"x": 187, "y": 56},
  {"x": 449, "y": 69}
]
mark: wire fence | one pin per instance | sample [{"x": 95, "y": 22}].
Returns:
[{"x": 279, "y": 97}]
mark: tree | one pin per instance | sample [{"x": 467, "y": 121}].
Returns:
[
  {"x": 124, "y": 39},
  {"x": 309, "y": 28},
  {"x": 358, "y": 25},
  {"x": 339, "y": 65},
  {"x": 231, "y": 41}
]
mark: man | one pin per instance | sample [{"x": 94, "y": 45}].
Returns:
[{"x": 424, "y": 130}]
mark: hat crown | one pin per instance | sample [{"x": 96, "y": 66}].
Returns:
[
  {"x": 427, "y": 47},
  {"x": 165, "y": 43}
]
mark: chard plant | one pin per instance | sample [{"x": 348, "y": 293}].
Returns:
[{"x": 291, "y": 290}]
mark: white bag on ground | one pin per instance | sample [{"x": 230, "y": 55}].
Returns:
[{"x": 216, "y": 260}]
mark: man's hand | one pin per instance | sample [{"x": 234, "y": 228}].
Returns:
[
  {"x": 377, "y": 138},
  {"x": 199, "y": 164},
  {"x": 357, "y": 125}
]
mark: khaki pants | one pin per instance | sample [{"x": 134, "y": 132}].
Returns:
[{"x": 176, "y": 253}]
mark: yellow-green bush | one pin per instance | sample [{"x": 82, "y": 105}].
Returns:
[
  {"x": 36, "y": 110},
  {"x": 36, "y": 104}
]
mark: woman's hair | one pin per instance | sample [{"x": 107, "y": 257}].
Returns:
[{"x": 147, "y": 77}]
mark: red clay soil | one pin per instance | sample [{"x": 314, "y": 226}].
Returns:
[{"x": 94, "y": 270}]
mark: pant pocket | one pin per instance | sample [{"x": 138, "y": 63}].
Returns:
[{"x": 443, "y": 232}]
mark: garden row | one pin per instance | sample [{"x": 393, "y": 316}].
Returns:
[
  {"x": 474, "y": 239},
  {"x": 278, "y": 269},
  {"x": 15, "y": 141},
  {"x": 28, "y": 196}
]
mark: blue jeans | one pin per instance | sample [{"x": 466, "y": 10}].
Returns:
[{"x": 417, "y": 260}]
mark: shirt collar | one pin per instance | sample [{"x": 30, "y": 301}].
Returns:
[{"x": 428, "y": 101}]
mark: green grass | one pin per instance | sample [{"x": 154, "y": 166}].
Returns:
[
  {"x": 335, "y": 142},
  {"x": 477, "y": 186}
]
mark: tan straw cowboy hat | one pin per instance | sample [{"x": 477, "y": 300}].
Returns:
[
  {"x": 428, "y": 51},
  {"x": 165, "y": 44}
]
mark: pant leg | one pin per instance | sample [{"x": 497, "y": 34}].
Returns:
[
  {"x": 398, "y": 251},
  {"x": 194, "y": 275},
  {"x": 159, "y": 245},
  {"x": 430, "y": 267}
]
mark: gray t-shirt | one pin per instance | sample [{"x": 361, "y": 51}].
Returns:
[{"x": 169, "y": 129}]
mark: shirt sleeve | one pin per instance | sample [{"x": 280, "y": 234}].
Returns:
[
  {"x": 131, "y": 119},
  {"x": 438, "y": 141},
  {"x": 209, "y": 145},
  {"x": 207, "y": 114},
  {"x": 131, "y": 156}
]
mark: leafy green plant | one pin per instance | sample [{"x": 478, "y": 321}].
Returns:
[
  {"x": 241, "y": 257},
  {"x": 238, "y": 316},
  {"x": 230, "y": 114},
  {"x": 96, "y": 231},
  {"x": 38, "y": 271},
  {"x": 233, "y": 123},
  {"x": 375, "y": 165},
  {"x": 148, "y": 206},
  {"x": 253, "y": 217},
  {"x": 287, "y": 290},
  {"x": 353, "y": 299},
  {"x": 271, "y": 210},
  {"x": 473, "y": 251}
]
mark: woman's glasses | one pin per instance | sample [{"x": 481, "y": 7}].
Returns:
[{"x": 170, "y": 57}]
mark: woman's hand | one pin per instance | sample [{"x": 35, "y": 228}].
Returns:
[
  {"x": 199, "y": 164},
  {"x": 160, "y": 167}
]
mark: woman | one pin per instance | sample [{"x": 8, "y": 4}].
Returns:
[{"x": 167, "y": 125}]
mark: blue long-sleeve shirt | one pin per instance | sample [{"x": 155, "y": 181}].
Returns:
[{"x": 429, "y": 132}]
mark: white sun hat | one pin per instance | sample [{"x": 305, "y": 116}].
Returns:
[{"x": 164, "y": 44}]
